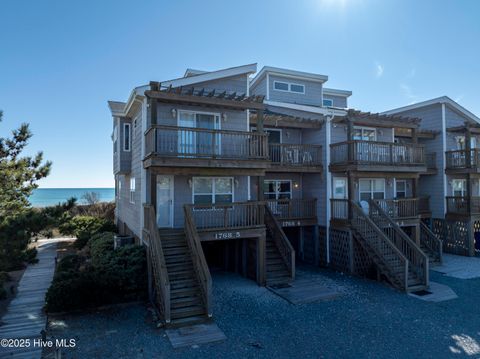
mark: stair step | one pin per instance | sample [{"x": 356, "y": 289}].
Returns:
[
  {"x": 274, "y": 260},
  {"x": 185, "y": 302},
  {"x": 175, "y": 250},
  {"x": 185, "y": 292},
  {"x": 182, "y": 322},
  {"x": 179, "y": 267},
  {"x": 178, "y": 258},
  {"x": 185, "y": 312},
  {"x": 275, "y": 267},
  {"x": 183, "y": 283},
  {"x": 181, "y": 274},
  {"x": 278, "y": 274}
]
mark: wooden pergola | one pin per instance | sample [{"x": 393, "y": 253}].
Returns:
[{"x": 276, "y": 119}]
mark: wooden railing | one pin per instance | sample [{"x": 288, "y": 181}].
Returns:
[
  {"x": 382, "y": 247},
  {"x": 418, "y": 260},
  {"x": 431, "y": 159},
  {"x": 281, "y": 241},
  {"x": 463, "y": 205},
  {"x": 431, "y": 242},
  {"x": 459, "y": 159},
  {"x": 377, "y": 153},
  {"x": 229, "y": 215},
  {"x": 161, "y": 282},
  {"x": 424, "y": 205},
  {"x": 186, "y": 142},
  {"x": 295, "y": 155},
  {"x": 294, "y": 208},
  {"x": 339, "y": 208},
  {"x": 400, "y": 208},
  {"x": 198, "y": 259}
]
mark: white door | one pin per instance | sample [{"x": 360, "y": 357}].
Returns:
[
  {"x": 165, "y": 201},
  {"x": 340, "y": 209}
]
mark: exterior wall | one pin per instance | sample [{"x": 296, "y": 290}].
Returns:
[
  {"x": 294, "y": 177},
  {"x": 432, "y": 186},
  {"x": 129, "y": 213},
  {"x": 288, "y": 135},
  {"x": 183, "y": 194},
  {"x": 338, "y": 101},
  {"x": 122, "y": 160},
  {"x": 339, "y": 133},
  {"x": 230, "y": 84},
  {"x": 260, "y": 87},
  {"x": 312, "y": 95},
  {"x": 474, "y": 185}
]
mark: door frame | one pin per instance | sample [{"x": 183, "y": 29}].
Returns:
[
  {"x": 172, "y": 193},
  {"x": 333, "y": 186}
]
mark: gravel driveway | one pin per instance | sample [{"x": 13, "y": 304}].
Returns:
[{"x": 368, "y": 320}]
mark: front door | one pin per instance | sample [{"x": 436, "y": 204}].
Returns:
[
  {"x": 340, "y": 208},
  {"x": 165, "y": 201}
]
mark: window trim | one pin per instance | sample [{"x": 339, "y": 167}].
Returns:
[
  {"x": 396, "y": 187},
  {"x": 132, "y": 191},
  {"x": 276, "y": 192},
  {"x": 129, "y": 125},
  {"x": 464, "y": 186},
  {"x": 327, "y": 99},
  {"x": 371, "y": 179},
  {"x": 213, "y": 194},
  {"x": 289, "y": 86},
  {"x": 366, "y": 128}
]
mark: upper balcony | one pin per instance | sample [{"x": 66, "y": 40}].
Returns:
[
  {"x": 199, "y": 147},
  {"x": 295, "y": 158},
  {"x": 377, "y": 156},
  {"x": 462, "y": 161},
  {"x": 463, "y": 206}
]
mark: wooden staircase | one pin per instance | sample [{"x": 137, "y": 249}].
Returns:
[
  {"x": 430, "y": 244},
  {"x": 186, "y": 301},
  {"x": 394, "y": 254},
  {"x": 280, "y": 255}
]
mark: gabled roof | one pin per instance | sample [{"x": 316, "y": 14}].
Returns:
[
  {"x": 439, "y": 100},
  {"x": 335, "y": 92},
  {"x": 289, "y": 73},
  {"x": 193, "y": 72},
  {"x": 213, "y": 75},
  {"x": 116, "y": 107}
]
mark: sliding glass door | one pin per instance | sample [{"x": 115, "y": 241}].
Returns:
[{"x": 197, "y": 142}]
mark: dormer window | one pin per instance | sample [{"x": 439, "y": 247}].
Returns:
[
  {"x": 327, "y": 102},
  {"x": 288, "y": 87}
]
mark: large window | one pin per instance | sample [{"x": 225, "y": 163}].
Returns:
[
  {"x": 372, "y": 189},
  {"x": 288, "y": 87},
  {"x": 327, "y": 102},
  {"x": 132, "y": 190},
  {"x": 209, "y": 190},
  {"x": 400, "y": 188},
  {"x": 127, "y": 138},
  {"x": 364, "y": 134},
  {"x": 200, "y": 142},
  {"x": 277, "y": 189},
  {"x": 459, "y": 187}
]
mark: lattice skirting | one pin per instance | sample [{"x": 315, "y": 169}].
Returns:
[
  {"x": 457, "y": 236},
  {"x": 322, "y": 246},
  {"x": 346, "y": 254}
]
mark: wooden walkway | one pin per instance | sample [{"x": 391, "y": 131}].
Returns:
[{"x": 25, "y": 317}]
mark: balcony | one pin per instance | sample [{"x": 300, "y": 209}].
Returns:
[
  {"x": 403, "y": 209},
  {"x": 377, "y": 156},
  {"x": 289, "y": 157},
  {"x": 294, "y": 212},
  {"x": 463, "y": 206},
  {"x": 462, "y": 161},
  {"x": 198, "y": 147}
]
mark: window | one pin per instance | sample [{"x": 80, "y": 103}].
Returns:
[
  {"x": 118, "y": 188},
  {"x": 401, "y": 188},
  {"x": 459, "y": 187},
  {"x": 115, "y": 137},
  {"x": 364, "y": 134},
  {"x": 372, "y": 189},
  {"x": 210, "y": 190},
  {"x": 126, "y": 137},
  {"x": 327, "y": 102},
  {"x": 132, "y": 190},
  {"x": 288, "y": 87},
  {"x": 277, "y": 189}
]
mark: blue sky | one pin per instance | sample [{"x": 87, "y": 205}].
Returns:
[{"x": 60, "y": 61}]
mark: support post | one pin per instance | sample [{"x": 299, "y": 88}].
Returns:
[
  {"x": 414, "y": 136},
  {"x": 351, "y": 194},
  {"x": 468, "y": 148},
  {"x": 261, "y": 263},
  {"x": 469, "y": 193}
]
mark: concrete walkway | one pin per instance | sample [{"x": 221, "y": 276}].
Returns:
[
  {"x": 459, "y": 267},
  {"x": 25, "y": 318}
]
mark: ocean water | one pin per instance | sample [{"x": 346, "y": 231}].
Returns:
[{"x": 43, "y": 197}]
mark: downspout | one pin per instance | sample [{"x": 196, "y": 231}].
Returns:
[
  {"x": 444, "y": 149},
  {"x": 328, "y": 122},
  {"x": 143, "y": 193}
]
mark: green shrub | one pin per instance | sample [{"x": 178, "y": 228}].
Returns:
[
  {"x": 84, "y": 227},
  {"x": 111, "y": 276},
  {"x": 4, "y": 277},
  {"x": 3, "y": 292},
  {"x": 30, "y": 255}
]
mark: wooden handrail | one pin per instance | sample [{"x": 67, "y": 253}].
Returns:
[
  {"x": 192, "y": 142},
  {"x": 462, "y": 158},
  {"x": 377, "y": 153},
  {"x": 159, "y": 267},
  {"x": 431, "y": 241},
  {"x": 400, "y": 207},
  {"x": 281, "y": 241},
  {"x": 198, "y": 259},
  {"x": 339, "y": 208},
  {"x": 403, "y": 242},
  {"x": 463, "y": 204},
  {"x": 295, "y": 154},
  {"x": 293, "y": 208},
  {"x": 381, "y": 245}
]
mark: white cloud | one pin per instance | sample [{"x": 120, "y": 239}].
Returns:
[{"x": 378, "y": 69}]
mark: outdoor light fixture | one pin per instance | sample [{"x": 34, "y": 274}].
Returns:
[
  {"x": 190, "y": 183},
  {"x": 236, "y": 183},
  {"x": 224, "y": 117},
  {"x": 174, "y": 112},
  {"x": 296, "y": 185}
]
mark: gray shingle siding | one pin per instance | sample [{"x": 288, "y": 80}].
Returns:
[
  {"x": 230, "y": 84},
  {"x": 338, "y": 101}
]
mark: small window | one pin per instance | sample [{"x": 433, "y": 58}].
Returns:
[
  {"x": 132, "y": 190},
  {"x": 277, "y": 189},
  {"x": 281, "y": 86},
  {"x": 126, "y": 137},
  {"x": 297, "y": 88},
  {"x": 364, "y": 134},
  {"x": 327, "y": 102},
  {"x": 210, "y": 190},
  {"x": 459, "y": 187},
  {"x": 118, "y": 188},
  {"x": 372, "y": 189},
  {"x": 401, "y": 189}
]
